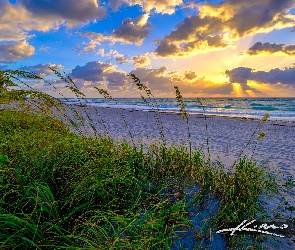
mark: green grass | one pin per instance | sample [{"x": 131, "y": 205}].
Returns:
[{"x": 60, "y": 190}]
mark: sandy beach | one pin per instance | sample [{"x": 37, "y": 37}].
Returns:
[{"x": 227, "y": 138}]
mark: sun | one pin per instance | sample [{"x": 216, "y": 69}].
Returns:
[{"x": 223, "y": 78}]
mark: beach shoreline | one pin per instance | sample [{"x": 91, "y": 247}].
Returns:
[{"x": 190, "y": 113}]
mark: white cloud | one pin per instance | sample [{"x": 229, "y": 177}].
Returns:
[
  {"x": 16, "y": 51},
  {"x": 91, "y": 46},
  {"x": 42, "y": 70},
  {"x": 17, "y": 20},
  {"x": 44, "y": 48}
]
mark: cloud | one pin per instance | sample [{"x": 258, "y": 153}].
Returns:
[
  {"x": 96, "y": 71},
  {"x": 159, "y": 6},
  {"x": 217, "y": 26},
  {"x": 16, "y": 51},
  {"x": 189, "y": 74},
  {"x": 17, "y": 20},
  {"x": 80, "y": 11},
  {"x": 90, "y": 47},
  {"x": 97, "y": 37},
  {"x": 270, "y": 48},
  {"x": 117, "y": 79},
  {"x": 167, "y": 49},
  {"x": 275, "y": 76},
  {"x": 100, "y": 52},
  {"x": 122, "y": 59},
  {"x": 239, "y": 75},
  {"x": 131, "y": 31},
  {"x": 44, "y": 48},
  {"x": 42, "y": 70},
  {"x": 10, "y": 22},
  {"x": 92, "y": 71},
  {"x": 160, "y": 80},
  {"x": 140, "y": 60}
]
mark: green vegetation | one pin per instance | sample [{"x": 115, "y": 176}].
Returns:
[{"x": 62, "y": 190}]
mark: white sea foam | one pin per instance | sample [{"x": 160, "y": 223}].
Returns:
[{"x": 278, "y": 108}]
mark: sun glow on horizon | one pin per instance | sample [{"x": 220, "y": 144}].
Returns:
[{"x": 237, "y": 89}]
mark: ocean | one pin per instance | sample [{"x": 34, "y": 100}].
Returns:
[{"x": 278, "y": 108}]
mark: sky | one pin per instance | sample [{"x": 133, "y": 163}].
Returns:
[{"x": 230, "y": 48}]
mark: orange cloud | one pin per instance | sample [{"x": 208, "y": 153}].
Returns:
[
  {"x": 140, "y": 60},
  {"x": 217, "y": 26}
]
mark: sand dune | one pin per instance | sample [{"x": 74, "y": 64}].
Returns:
[{"x": 227, "y": 138}]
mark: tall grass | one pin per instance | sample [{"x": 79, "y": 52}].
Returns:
[
  {"x": 62, "y": 190},
  {"x": 149, "y": 102},
  {"x": 108, "y": 96}
]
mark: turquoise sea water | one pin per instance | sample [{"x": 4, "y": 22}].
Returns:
[{"x": 278, "y": 108}]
